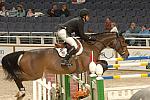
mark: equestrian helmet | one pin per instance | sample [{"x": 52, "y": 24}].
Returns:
[{"x": 83, "y": 12}]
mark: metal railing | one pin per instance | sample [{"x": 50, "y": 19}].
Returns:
[
  {"x": 27, "y": 37},
  {"x": 49, "y": 38},
  {"x": 138, "y": 41},
  {"x": 135, "y": 39}
]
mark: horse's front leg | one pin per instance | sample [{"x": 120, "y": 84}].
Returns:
[
  {"x": 21, "y": 92},
  {"x": 104, "y": 64}
]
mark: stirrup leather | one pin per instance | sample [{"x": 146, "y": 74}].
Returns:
[{"x": 65, "y": 61}]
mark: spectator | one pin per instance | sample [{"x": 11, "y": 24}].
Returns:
[
  {"x": 114, "y": 27},
  {"x": 4, "y": 12},
  {"x": 144, "y": 30},
  {"x": 148, "y": 28},
  {"x": 13, "y": 12},
  {"x": 144, "y": 33},
  {"x": 20, "y": 11},
  {"x": 1, "y": 4},
  {"x": 133, "y": 28},
  {"x": 30, "y": 13},
  {"x": 78, "y": 1},
  {"x": 131, "y": 32},
  {"x": 107, "y": 25},
  {"x": 65, "y": 11},
  {"x": 54, "y": 11}
]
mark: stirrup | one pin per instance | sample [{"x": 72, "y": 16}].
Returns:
[{"x": 65, "y": 63}]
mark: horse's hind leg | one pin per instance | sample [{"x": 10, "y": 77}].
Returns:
[
  {"x": 104, "y": 64},
  {"x": 21, "y": 92}
]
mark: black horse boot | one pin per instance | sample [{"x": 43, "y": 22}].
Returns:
[{"x": 65, "y": 61}]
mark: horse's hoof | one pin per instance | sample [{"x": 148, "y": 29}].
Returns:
[
  {"x": 148, "y": 66},
  {"x": 20, "y": 94}
]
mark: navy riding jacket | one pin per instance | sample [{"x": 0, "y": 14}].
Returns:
[{"x": 75, "y": 25}]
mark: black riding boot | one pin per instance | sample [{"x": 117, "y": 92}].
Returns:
[{"x": 70, "y": 52}]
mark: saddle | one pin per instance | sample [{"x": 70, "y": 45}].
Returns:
[{"x": 62, "y": 48}]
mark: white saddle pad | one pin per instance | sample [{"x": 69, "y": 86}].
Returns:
[{"x": 61, "y": 51}]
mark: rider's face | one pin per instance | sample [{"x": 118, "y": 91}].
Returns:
[{"x": 87, "y": 18}]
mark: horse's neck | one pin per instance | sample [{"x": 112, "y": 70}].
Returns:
[
  {"x": 97, "y": 47},
  {"x": 106, "y": 39},
  {"x": 88, "y": 50}
]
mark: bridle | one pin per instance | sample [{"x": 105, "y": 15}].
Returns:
[{"x": 115, "y": 45}]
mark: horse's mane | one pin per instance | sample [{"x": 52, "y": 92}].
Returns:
[{"x": 104, "y": 34}]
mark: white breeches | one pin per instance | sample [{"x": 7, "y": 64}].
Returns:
[{"x": 63, "y": 35}]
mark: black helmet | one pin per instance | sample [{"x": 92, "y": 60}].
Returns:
[{"x": 83, "y": 12}]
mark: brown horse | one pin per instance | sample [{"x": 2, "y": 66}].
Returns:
[{"x": 34, "y": 63}]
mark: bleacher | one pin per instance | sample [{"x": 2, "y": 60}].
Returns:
[{"x": 121, "y": 11}]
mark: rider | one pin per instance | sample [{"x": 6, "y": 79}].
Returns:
[{"x": 75, "y": 25}]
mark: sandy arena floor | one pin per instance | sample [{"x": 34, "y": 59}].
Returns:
[{"x": 9, "y": 89}]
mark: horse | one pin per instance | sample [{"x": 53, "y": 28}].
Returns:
[{"x": 33, "y": 64}]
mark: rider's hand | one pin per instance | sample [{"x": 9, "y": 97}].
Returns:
[{"x": 92, "y": 39}]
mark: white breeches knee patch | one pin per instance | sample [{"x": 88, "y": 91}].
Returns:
[{"x": 63, "y": 35}]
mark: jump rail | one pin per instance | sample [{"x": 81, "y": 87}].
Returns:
[
  {"x": 129, "y": 65},
  {"x": 100, "y": 82},
  {"x": 67, "y": 84},
  {"x": 129, "y": 58},
  {"x": 43, "y": 88},
  {"x": 126, "y": 76}
]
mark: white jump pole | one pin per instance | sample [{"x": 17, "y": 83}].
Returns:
[
  {"x": 39, "y": 90},
  {"x": 34, "y": 91},
  {"x": 44, "y": 89}
]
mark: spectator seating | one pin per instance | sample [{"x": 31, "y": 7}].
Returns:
[
  {"x": 121, "y": 11},
  {"x": 29, "y": 27},
  {"x": 19, "y": 27},
  {"x": 11, "y": 26},
  {"x": 3, "y": 26}
]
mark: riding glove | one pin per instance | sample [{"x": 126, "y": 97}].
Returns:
[{"x": 92, "y": 39}]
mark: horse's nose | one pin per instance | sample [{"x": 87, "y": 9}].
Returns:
[{"x": 125, "y": 56}]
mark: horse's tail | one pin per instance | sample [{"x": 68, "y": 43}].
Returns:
[{"x": 10, "y": 65}]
